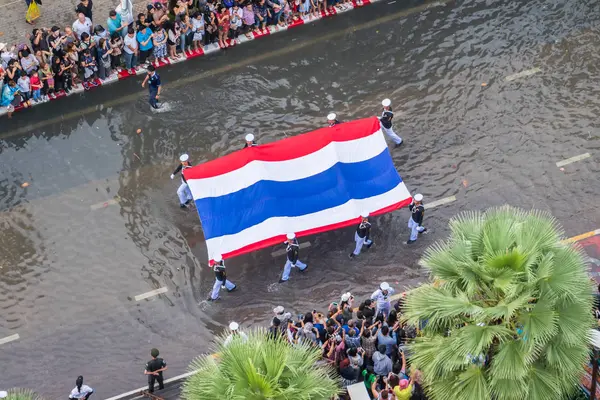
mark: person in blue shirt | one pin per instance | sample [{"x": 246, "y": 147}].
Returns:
[
  {"x": 387, "y": 338},
  {"x": 144, "y": 38},
  {"x": 114, "y": 24},
  {"x": 154, "y": 86}
]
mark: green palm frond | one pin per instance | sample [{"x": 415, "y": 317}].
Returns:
[
  {"x": 510, "y": 316},
  {"x": 22, "y": 394}
]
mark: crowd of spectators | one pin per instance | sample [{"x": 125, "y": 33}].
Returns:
[
  {"x": 58, "y": 59},
  {"x": 365, "y": 344}
]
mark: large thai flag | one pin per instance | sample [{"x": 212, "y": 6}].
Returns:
[{"x": 310, "y": 183}]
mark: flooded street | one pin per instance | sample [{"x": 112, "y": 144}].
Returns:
[{"x": 99, "y": 222}]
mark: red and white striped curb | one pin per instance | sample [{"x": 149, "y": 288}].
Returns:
[{"x": 211, "y": 48}]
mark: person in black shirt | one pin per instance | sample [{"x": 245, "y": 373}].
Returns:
[
  {"x": 221, "y": 281},
  {"x": 386, "y": 122},
  {"x": 361, "y": 237},
  {"x": 292, "y": 251},
  {"x": 250, "y": 142},
  {"x": 183, "y": 192},
  {"x": 332, "y": 120},
  {"x": 154, "y": 370},
  {"x": 415, "y": 222},
  {"x": 85, "y": 7},
  {"x": 154, "y": 86}
]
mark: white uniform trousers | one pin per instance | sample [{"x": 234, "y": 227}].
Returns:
[
  {"x": 390, "y": 132},
  {"x": 415, "y": 229},
  {"x": 217, "y": 288},
  {"x": 360, "y": 242},
  {"x": 288, "y": 268},
  {"x": 184, "y": 193}
]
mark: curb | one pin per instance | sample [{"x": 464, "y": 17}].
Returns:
[{"x": 211, "y": 48}]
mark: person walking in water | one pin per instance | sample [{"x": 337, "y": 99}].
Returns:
[
  {"x": 81, "y": 391},
  {"x": 361, "y": 236},
  {"x": 415, "y": 222},
  {"x": 386, "y": 122},
  {"x": 154, "y": 86},
  {"x": 183, "y": 192},
  {"x": 154, "y": 369},
  {"x": 292, "y": 250},
  {"x": 221, "y": 281}
]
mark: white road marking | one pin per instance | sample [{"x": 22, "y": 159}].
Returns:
[
  {"x": 10, "y": 338},
  {"x": 281, "y": 252},
  {"x": 392, "y": 2},
  {"x": 572, "y": 160},
  {"x": 440, "y": 202},
  {"x": 151, "y": 293},
  {"x": 522, "y": 74},
  {"x": 104, "y": 204}
]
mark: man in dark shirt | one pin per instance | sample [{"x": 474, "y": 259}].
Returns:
[
  {"x": 154, "y": 370},
  {"x": 221, "y": 281},
  {"x": 332, "y": 120},
  {"x": 154, "y": 86},
  {"x": 361, "y": 237},
  {"x": 415, "y": 222},
  {"x": 292, "y": 251},
  {"x": 85, "y": 7},
  {"x": 386, "y": 122}
]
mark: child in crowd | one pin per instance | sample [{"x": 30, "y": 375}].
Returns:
[
  {"x": 47, "y": 79},
  {"x": 89, "y": 66},
  {"x": 36, "y": 87},
  {"x": 198, "y": 29},
  {"x": 25, "y": 89}
]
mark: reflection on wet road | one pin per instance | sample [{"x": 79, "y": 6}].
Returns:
[{"x": 99, "y": 223}]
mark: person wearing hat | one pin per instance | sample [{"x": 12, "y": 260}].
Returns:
[
  {"x": 415, "y": 222},
  {"x": 292, "y": 250},
  {"x": 234, "y": 327},
  {"x": 361, "y": 236},
  {"x": 183, "y": 192},
  {"x": 386, "y": 122},
  {"x": 250, "y": 142},
  {"x": 382, "y": 299},
  {"x": 154, "y": 370},
  {"x": 332, "y": 120},
  {"x": 221, "y": 281}
]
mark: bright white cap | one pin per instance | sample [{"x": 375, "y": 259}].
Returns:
[
  {"x": 384, "y": 286},
  {"x": 249, "y": 137},
  {"x": 386, "y": 102},
  {"x": 346, "y": 296},
  {"x": 234, "y": 326},
  {"x": 184, "y": 157},
  {"x": 218, "y": 258},
  {"x": 3, "y": 394},
  {"x": 291, "y": 235},
  {"x": 365, "y": 214},
  {"x": 418, "y": 197},
  {"x": 331, "y": 117},
  {"x": 279, "y": 310}
]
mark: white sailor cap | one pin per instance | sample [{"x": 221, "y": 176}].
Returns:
[
  {"x": 346, "y": 296},
  {"x": 384, "y": 286},
  {"x": 365, "y": 214},
  {"x": 331, "y": 117},
  {"x": 291, "y": 235},
  {"x": 234, "y": 326},
  {"x": 418, "y": 197},
  {"x": 249, "y": 137},
  {"x": 184, "y": 157},
  {"x": 218, "y": 258},
  {"x": 279, "y": 310},
  {"x": 386, "y": 102},
  {"x": 3, "y": 394}
]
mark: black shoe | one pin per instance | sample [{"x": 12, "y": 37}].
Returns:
[
  {"x": 188, "y": 202},
  {"x": 282, "y": 281},
  {"x": 369, "y": 245},
  {"x": 211, "y": 299},
  {"x": 423, "y": 231},
  {"x": 351, "y": 256},
  {"x": 399, "y": 144},
  {"x": 182, "y": 206},
  {"x": 161, "y": 388},
  {"x": 232, "y": 289},
  {"x": 410, "y": 241}
]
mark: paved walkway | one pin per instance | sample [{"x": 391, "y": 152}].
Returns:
[{"x": 13, "y": 27}]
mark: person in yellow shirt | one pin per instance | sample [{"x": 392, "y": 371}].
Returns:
[{"x": 404, "y": 389}]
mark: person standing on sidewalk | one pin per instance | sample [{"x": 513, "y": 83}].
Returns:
[
  {"x": 386, "y": 122},
  {"x": 154, "y": 86},
  {"x": 154, "y": 370},
  {"x": 292, "y": 250},
  {"x": 415, "y": 222},
  {"x": 131, "y": 49}
]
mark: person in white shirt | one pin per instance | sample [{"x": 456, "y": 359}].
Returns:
[
  {"x": 81, "y": 391},
  {"x": 236, "y": 21},
  {"x": 131, "y": 49},
  {"x": 25, "y": 86},
  {"x": 382, "y": 297},
  {"x": 235, "y": 334},
  {"x": 82, "y": 24}
]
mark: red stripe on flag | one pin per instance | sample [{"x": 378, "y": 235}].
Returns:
[{"x": 286, "y": 149}]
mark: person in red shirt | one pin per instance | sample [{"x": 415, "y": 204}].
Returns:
[{"x": 36, "y": 87}]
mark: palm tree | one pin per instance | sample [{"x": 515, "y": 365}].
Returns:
[
  {"x": 261, "y": 368},
  {"x": 508, "y": 314},
  {"x": 21, "y": 394}
]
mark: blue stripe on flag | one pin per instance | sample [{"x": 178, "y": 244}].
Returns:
[{"x": 234, "y": 212}]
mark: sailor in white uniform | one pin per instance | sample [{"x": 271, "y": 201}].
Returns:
[
  {"x": 183, "y": 192},
  {"x": 361, "y": 236},
  {"x": 250, "y": 142},
  {"x": 382, "y": 298},
  {"x": 415, "y": 222},
  {"x": 386, "y": 122},
  {"x": 221, "y": 281},
  {"x": 332, "y": 120},
  {"x": 292, "y": 250}
]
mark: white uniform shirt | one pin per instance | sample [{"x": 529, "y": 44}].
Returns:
[
  {"x": 382, "y": 299},
  {"x": 130, "y": 41},
  {"x": 242, "y": 336},
  {"x": 85, "y": 390}
]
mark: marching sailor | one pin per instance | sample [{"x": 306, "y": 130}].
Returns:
[
  {"x": 415, "y": 222},
  {"x": 332, "y": 120},
  {"x": 361, "y": 236},
  {"x": 184, "y": 193},
  {"x": 386, "y": 122},
  {"x": 249, "y": 140},
  {"x": 221, "y": 281},
  {"x": 292, "y": 251},
  {"x": 382, "y": 298}
]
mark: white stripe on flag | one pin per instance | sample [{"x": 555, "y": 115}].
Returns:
[
  {"x": 352, "y": 151},
  {"x": 281, "y": 225}
]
